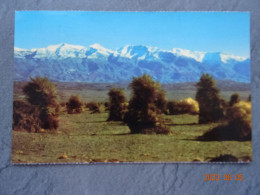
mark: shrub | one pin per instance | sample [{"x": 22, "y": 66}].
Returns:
[
  {"x": 235, "y": 98},
  {"x": 239, "y": 117},
  {"x": 49, "y": 118},
  {"x": 42, "y": 93},
  {"x": 25, "y": 117},
  {"x": 171, "y": 105},
  {"x": 210, "y": 104},
  {"x": 93, "y": 106},
  {"x": 238, "y": 126},
  {"x": 74, "y": 105},
  {"x": 143, "y": 115},
  {"x": 117, "y": 107},
  {"x": 187, "y": 105}
]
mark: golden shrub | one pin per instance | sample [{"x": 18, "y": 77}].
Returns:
[
  {"x": 194, "y": 105},
  {"x": 241, "y": 110},
  {"x": 184, "y": 106}
]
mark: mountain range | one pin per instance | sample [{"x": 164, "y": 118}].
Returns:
[{"x": 97, "y": 64}]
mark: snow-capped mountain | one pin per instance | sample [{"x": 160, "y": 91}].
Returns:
[{"x": 65, "y": 62}]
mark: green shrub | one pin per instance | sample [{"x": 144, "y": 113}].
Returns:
[
  {"x": 74, "y": 105},
  {"x": 42, "y": 93},
  {"x": 210, "y": 104},
  {"x": 143, "y": 115},
  {"x": 117, "y": 102}
]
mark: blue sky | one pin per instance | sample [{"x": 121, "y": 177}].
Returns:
[{"x": 227, "y": 32}]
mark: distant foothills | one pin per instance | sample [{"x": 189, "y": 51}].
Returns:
[{"x": 96, "y": 64}]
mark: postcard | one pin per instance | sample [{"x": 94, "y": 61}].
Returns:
[{"x": 114, "y": 87}]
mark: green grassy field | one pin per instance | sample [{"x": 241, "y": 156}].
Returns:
[{"x": 88, "y": 137}]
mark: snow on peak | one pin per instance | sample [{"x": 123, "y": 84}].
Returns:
[
  {"x": 53, "y": 48},
  {"x": 63, "y": 50},
  {"x": 130, "y": 51},
  {"x": 21, "y": 53},
  {"x": 140, "y": 52},
  {"x": 97, "y": 46},
  {"x": 124, "y": 51},
  {"x": 228, "y": 57},
  {"x": 17, "y": 49},
  {"x": 196, "y": 55},
  {"x": 66, "y": 50},
  {"x": 101, "y": 49}
]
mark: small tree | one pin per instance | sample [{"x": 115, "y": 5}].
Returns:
[
  {"x": 74, "y": 105},
  {"x": 210, "y": 106},
  {"x": 143, "y": 115},
  {"x": 42, "y": 93},
  {"x": 117, "y": 102},
  {"x": 235, "y": 98}
]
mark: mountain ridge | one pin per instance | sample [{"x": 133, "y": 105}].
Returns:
[{"x": 95, "y": 63}]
